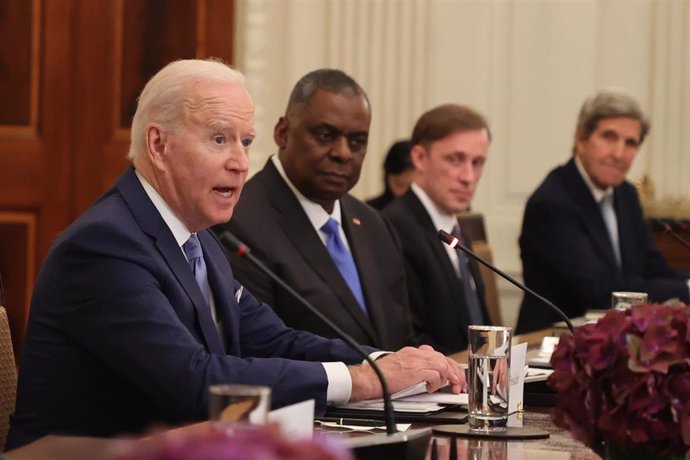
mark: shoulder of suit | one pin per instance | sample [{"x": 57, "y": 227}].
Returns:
[{"x": 351, "y": 204}]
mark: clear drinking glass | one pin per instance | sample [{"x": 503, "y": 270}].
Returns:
[
  {"x": 246, "y": 404},
  {"x": 625, "y": 300},
  {"x": 489, "y": 377}
]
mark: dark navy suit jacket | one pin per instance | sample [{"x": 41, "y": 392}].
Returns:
[
  {"x": 271, "y": 221},
  {"x": 436, "y": 295},
  {"x": 120, "y": 338},
  {"x": 567, "y": 255}
]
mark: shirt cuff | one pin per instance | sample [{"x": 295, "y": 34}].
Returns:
[{"x": 340, "y": 382}]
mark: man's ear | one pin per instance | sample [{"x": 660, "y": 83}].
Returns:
[
  {"x": 156, "y": 145},
  {"x": 578, "y": 141},
  {"x": 280, "y": 133},
  {"x": 418, "y": 154}
]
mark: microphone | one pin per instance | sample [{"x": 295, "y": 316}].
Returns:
[
  {"x": 453, "y": 242},
  {"x": 240, "y": 250},
  {"x": 667, "y": 229}
]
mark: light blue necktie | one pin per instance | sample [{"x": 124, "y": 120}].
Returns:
[
  {"x": 474, "y": 310},
  {"x": 192, "y": 248},
  {"x": 343, "y": 260},
  {"x": 609, "y": 214}
]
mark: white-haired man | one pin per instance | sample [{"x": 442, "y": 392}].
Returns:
[{"x": 136, "y": 312}]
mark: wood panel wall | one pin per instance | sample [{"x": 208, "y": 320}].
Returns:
[{"x": 70, "y": 72}]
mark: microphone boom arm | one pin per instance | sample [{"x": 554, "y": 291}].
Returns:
[
  {"x": 454, "y": 243},
  {"x": 667, "y": 229},
  {"x": 242, "y": 251}
]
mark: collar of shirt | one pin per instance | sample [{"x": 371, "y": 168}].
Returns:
[
  {"x": 597, "y": 193},
  {"x": 176, "y": 226},
  {"x": 441, "y": 221},
  {"x": 314, "y": 211}
]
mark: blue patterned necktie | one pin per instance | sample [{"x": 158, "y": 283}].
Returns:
[
  {"x": 192, "y": 248},
  {"x": 609, "y": 215},
  {"x": 474, "y": 311},
  {"x": 343, "y": 260}
]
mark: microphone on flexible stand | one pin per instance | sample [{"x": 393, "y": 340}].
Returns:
[
  {"x": 453, "y": 242},
  {"x": 365, "y": 447},
  {"x": 667, "y": 229},
  {"x": 681, "y": 224}
]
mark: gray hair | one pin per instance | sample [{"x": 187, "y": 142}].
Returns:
[
  {"x": 609, "y": 104},
  {"x": 331, "y": 80},
  {"x": 162, "y": 100}
]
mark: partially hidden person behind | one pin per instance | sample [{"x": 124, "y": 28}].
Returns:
[
  {"x": 583, "y": 231},
  {"x": 297, "y": 216},
  {"x": 450, "y": 144},
  {"x": 398, "y": 173},
  {"x": 136, "y": 312}
]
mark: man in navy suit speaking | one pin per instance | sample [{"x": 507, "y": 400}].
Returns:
[{"x": 136, "y": 312}]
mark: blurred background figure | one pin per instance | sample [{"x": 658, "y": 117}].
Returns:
[{"x": 398, "y": 173}]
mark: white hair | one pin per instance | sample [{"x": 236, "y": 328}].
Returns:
[{"x": 162, "y": 99}]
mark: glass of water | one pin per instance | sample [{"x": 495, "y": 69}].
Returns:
[
  {"x": 624, "y": 300},
  {"x": 243, "y": 404},
  {"x": 489, "y": 377}
]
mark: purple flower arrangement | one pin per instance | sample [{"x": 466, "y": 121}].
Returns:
[
  {"x": 626, "y": 380},
  {"x": 245, "y": 443}
]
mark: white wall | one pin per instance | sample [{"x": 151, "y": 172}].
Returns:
[{"x": 526, "y": 64}]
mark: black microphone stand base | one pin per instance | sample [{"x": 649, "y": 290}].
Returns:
[{"x": 404, "y": 445}]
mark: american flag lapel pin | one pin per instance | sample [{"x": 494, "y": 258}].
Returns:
[{"x": 356, "y": 221}]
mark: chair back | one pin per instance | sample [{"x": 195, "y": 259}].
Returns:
[
  {"x": 472, "y": 225},
  {"x": 8, "y": 377}
]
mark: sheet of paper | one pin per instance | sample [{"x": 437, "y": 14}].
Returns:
[
  {"x": 543, "y": 359},
  {"x": 296, "y": 420},
  {"x": 398, "y": 406},
  {"x": 535, "y": 374},
  {"x": 518, "y": 355},
  {"x": 438, "y": 398},
  {"x": 398, "y": 426}
]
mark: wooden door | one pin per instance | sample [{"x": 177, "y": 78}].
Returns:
[{"x": 70, "y": 72}]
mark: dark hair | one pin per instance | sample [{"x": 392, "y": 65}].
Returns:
[
  {"x": 398, "y": 158},
  {"x": 331, "y": 80},
  {"x": 609, "y": 104},
  {"x": 447, "y": 119}
]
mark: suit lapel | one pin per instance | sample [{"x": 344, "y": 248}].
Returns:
[
  {"x": 592, "y": 219},
  {"x": 435, "y": 247},
  {"x": 625, "y": 239},
  {"x": 307, "y": 243},
  {"x": 153, "y": 224},
  {"x": 227, "y": 306}
]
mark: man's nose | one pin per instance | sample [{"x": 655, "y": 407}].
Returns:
[
  {"x": 618, "y": 150},
  {"x": 341, "y": 148},
  {"x": 466, "y": 172},
  {"x": 238, "y": 159}
]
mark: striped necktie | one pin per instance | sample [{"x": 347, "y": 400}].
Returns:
[{"x": 474, "y": 311}]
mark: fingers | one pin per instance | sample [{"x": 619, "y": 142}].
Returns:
[
  {"x": 423, "y": 364},
  {"x": 461, "y": 385}
]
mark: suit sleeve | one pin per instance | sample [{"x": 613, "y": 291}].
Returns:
[
  {"x": 118, "y": 306},
  {"x": 557, "y": 248},
  {"x": 401, "y": 290},
  {"x": 655, "y": 277}
]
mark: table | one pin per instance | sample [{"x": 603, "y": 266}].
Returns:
[{"x": 560, "y": 445}]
